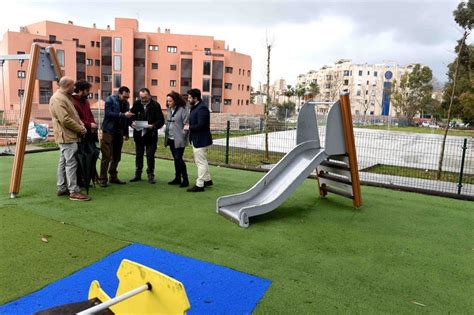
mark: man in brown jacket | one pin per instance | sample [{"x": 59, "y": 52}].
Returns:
[{"x": 67, "y": 127}]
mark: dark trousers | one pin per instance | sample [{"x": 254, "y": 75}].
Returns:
[
  {"x": 147, "y": 145},
  {"x": 111, "y": 147},
  {"x": 179, "y": 166}
]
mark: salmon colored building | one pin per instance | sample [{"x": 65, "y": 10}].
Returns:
[{"x": 109, "y": 58}]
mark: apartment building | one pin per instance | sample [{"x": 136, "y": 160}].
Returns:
[
  {"x": 368, "y": 85},
  {"x": 109, "y": 58}
]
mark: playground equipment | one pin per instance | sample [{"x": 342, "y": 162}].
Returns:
[
  {"x": 43, "y": 65},
  {"x": 335, "y": 164},
  {"x": 141, "y": 290}
]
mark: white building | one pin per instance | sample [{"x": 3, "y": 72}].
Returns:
[{"x": 368, "y": 85}]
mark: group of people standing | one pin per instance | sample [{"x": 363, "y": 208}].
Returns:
[{"x": 73, "y": 123}]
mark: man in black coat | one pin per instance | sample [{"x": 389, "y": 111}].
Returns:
[
  {"x": 147, "y": 119},
  {"x": 200, "y": 137}
]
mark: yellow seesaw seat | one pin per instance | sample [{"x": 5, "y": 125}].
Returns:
[{"x": 166, "y": 296}]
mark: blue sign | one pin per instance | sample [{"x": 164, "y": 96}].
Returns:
[
  {"x": 386, "y": 97},
  {"x": 388, "y": 75}
]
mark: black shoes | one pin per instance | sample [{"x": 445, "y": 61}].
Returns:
[
  {"x": 175, "y": 181},
  {"x": 208, "y": 183},
  {"x": 116, "y": 180},
  {"x": 136, "y": 179},
  {"x": 195, "y": 189},
  {"x": 185, "y": 183},
  {"x": 151, "y": 179}
]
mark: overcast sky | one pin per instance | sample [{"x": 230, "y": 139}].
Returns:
[{"x": 306, "y": 34}]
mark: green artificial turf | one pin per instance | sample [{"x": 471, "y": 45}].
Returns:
[
  {"x": 36, "y": 251},
  {"x": 400, "y": 253}
]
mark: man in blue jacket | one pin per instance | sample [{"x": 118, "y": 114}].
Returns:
[
  {"x": 114, "y": 129},
  {"x": 200, "y": 137}
]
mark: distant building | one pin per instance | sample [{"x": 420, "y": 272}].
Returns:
[
  {"x": 109, "y": 58},
  {"x": 368, "y": 85}
]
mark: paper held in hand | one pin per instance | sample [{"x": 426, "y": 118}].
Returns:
[{"x": 140, "y": 124}]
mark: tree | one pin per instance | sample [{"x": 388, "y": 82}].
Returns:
[
  {"x": 314, "y": 89},
  {"x": 299, "y": 92},
  {"x": 464, "y": 16},
  {"x": 337, "y": 80},
  {"x": 268, "y": 45},
  {"x": 289, "y": 92},
  {"x": 413, "y": 94},
  {"x": 285, "y": 110}
]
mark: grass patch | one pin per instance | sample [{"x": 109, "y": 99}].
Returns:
[
  {"x": 418, "y": 173},
  {"x": 322, "y": 255},
  {"x": 440, "y": 131},
  {"x": 28, "y": 263}
]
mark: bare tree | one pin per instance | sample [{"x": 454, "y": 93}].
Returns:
[
  {"x": 464, "y": 16},
  {"x": 336, "y": 82},
  {"x": 451, "y": 99},
  {"x": 268, "y": 44}
]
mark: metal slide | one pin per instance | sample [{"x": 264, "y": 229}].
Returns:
[{"x": 278, "y": 184}]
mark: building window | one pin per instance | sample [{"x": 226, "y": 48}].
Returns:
[
  {"x": 346, "y": 82},
  {"x": 173, "y": 67},
  {"x": 60, "y": 55},
  {"x": 207, "y": 51},
  {"x": 117, "y": 63},
  {"x": 172, "y": 49},
  {"x": 117, "y": 44},
  {"x": 172, "y": 83},
  {"x": 368, "y": 72},
  {"x": 375, "y": 73},
  {"x": 238, "y": 102},
  {"x": 107, "y": 78},
  {"x": 246, "y": 102},
  {"x": 96, "y": 96},
  {"x": 229, "y": 69},
  {"x": 117, "y": 80},
  {"x": 366, "y": 92},
  {"x": 238, "y": 87},
  {"x": 89, "y": 62},
  {"x": 21, "y": 74},
  {"x": 227, "y": 102},
  {"x": 328, "y": 77},
  {"x": 92, "y": 43},
  {"x": 154, "y": 82},
  {"x": 206, "y": 85},
  {"x": 97, "y": 79},
  {"x": 248, "y": 88},
  {"x": 346, "y": 72},
  {"x": 206, "y": 68},
  {"x": 360, "y": 73},
  {"x": 21, "y": 93},
  {"x": 228, "y": 86},
  {"x": 97, "y": 44},
  {"x": 359, "y": 93},
  {"x": 45, "y": 91},
  {"x": 90, "y": 79},
  {"x": 327, "y": 85},
  {"x": 248, "y": 73},
  {"x": 154, "y": 66},
  {"x": 52, "y": 38},
  {"x": 153, "y": 47},
  {"x": 97, "y": 63},
  {"x": 240, "y": 70},
  {"x": 371, "y": 113}
]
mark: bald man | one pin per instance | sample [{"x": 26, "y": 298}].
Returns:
[{"x": 68, "y": 129}]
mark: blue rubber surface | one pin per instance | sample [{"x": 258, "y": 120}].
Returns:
[{"x": 211, "y": 289}]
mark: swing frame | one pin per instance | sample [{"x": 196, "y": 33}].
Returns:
[{"x": 43, "y": 65}]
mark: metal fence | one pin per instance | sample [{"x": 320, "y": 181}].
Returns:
[
  {"x": 386, "y": 158},
  {"x": 402, "y": 160}
]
